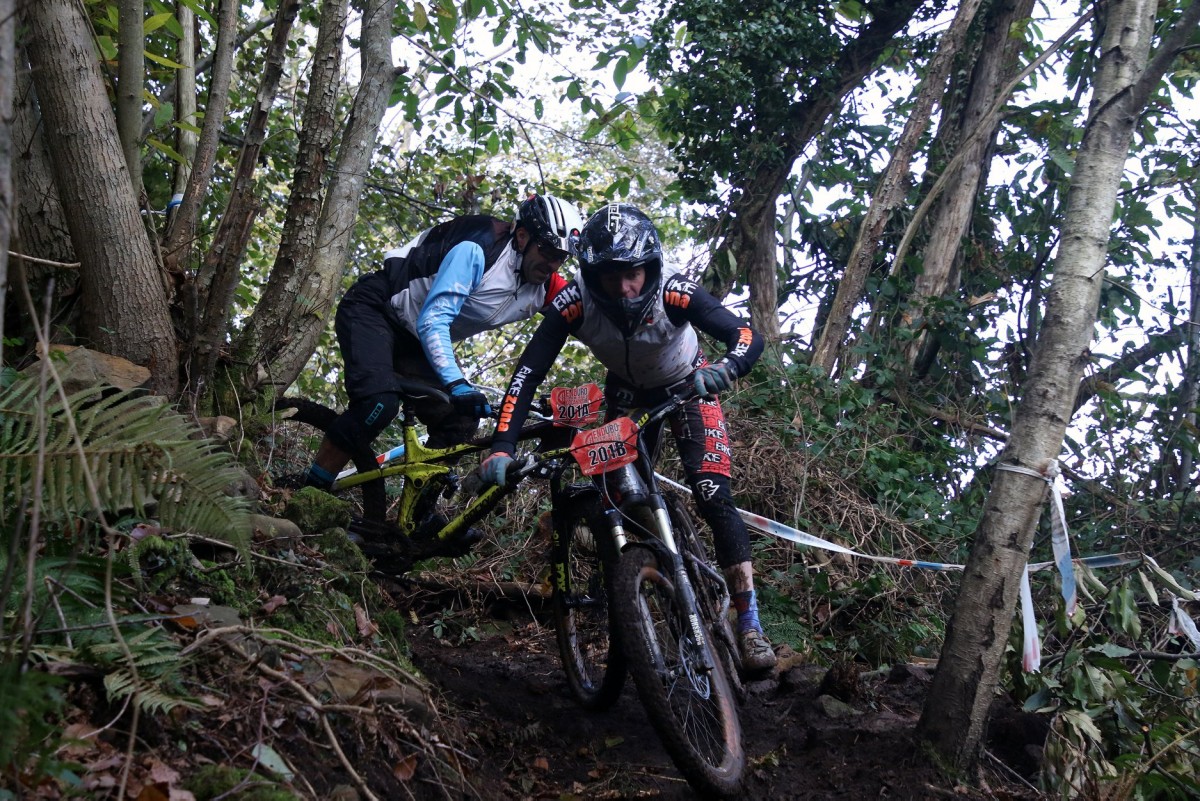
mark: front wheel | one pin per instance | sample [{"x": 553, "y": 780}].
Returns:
[
  {"x": 712, "y": 594},
  {"x": 582, "y": 561},
  {"x": 679, "y": 679}
]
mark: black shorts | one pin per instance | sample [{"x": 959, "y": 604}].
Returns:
[{"x": 375, "y": 350}]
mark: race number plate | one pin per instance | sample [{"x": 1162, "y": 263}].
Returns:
[
  {"x": 576, "y": 406},
  {"x": 612, "y": 445}
]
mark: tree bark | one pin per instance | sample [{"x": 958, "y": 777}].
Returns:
[
  {"x": 8, "y": 81},
  {"x": 181, "y": 231},
  {"x": 1190, "y": 391},
  {"x": 280, "y": 341},
  {"x": 125, "y": 310},
  {"x": 889, "y": 194},
  {"x": 270, "y": 325},
  {"x": 131, "y": 72},
  {"x": 187, "y": 140},
  {"x": 969, "y": 668},
  {"x": 218, "y": 276},
  {"x": 941, "y": 255}
]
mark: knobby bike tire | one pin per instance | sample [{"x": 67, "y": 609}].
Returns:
[
  {"x": 711, "y": 593},
  {"x": 583, "y": 559},
  {"x": 371, "y": 496},
  {"x": 693, "y": 711}
]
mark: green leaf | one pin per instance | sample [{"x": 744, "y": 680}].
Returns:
[
  {"x": 153, "y": 23},
  {"x": 166, "y": 150},
  {"x": 1083, "y": 724},
  {"x": 200, "y": 11},
  {"x": 107, "y": 48},
  {"x": 420, "y": 17},
  {"x": 163, "y": 114},
  {"x": 620, "y": 71},
  {"x": 166, "y": 62}
]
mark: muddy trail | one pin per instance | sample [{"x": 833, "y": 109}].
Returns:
[{"x": 810, "y": 732}]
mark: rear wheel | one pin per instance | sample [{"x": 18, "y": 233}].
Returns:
[
  {"x": 582, "y": 561},
  {"x": 691, "y": 706}
]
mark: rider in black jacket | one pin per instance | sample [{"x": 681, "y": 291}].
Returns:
[
  {"x": 453, "y": 281},
  {"x": 639, "y": 319}
]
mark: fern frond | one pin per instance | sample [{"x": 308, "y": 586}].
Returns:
[
  {"x": 143, "y": 456},
  {"x": 151, "y": 698}
]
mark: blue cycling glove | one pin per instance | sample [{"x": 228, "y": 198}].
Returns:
[
  {"x": 468, "y": 401},
  {"x": 714, "y": 378},
  {"x": 493, "y": 469}
]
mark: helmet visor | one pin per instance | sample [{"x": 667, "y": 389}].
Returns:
[{"x": 551, "y": 251}]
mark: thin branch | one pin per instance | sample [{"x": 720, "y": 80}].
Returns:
[
  {"x": 74, "y": 265},
  {"x": 986, "y": 124}
]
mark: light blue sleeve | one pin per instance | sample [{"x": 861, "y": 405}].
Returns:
[{"x": 460, "y": 273}]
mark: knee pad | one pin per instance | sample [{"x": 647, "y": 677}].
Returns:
[{"x": 363, "y": 421}]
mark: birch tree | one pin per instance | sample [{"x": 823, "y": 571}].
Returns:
[{"x": 969, "y": 668}]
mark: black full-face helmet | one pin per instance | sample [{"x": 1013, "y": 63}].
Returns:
[
  {"x": 550, "y": 221},
  {"x": 616, "y": 238}
]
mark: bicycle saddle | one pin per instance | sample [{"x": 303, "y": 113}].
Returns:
[{"x": 419, "y": 390}]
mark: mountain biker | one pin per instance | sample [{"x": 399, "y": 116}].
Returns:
[
  {"x": 453, "y": 281},
  {"x": 638, "y": 317}
]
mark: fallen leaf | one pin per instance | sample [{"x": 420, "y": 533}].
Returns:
[
  {"x": 270, "y": 759},
  {"x": 541, "y": 763},
  {"x": 273, "y": 603},
  {"x": 143, "y": 530},
  {"x": 406, "y": 768},
  {"x": 366, "y": 628}
]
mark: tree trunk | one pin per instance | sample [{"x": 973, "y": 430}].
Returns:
[
  {"x": 181, "y": 231},
  {"x": 1190, "y": 394},
  {"x": 8, "y": 80},
  {"x": 941, "y": 255},
  {"x": 40, "y": 227},
  {"x": 131, "y": 72},
  {"x": 125, "y": 306},
  {"x": 283, "y": 333},
  {"x": 754, "y": 241},
  {"x": 749, "y": 241},
  {"x": 218, "y": 276},
  {"x": 969, "y": 668},
  {"x": 889, "y": 194},
  {"x": 270, "y": 325},
  {"x": 186, "y": 140}
]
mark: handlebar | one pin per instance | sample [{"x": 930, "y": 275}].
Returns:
[{"x": 679, "y": 394}]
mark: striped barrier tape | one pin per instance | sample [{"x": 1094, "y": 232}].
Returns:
[{"x": 1181, "y": 623}]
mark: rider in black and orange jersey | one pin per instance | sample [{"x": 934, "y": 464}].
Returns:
[{"x": 639, "y": 318}]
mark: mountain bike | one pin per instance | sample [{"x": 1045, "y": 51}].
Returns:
[
  {"x": 634, "y": 589},
  {"x": 666, "y": 604},
  {"x": 579, "y": 558},
  {"x": 413, "y": 501}
]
